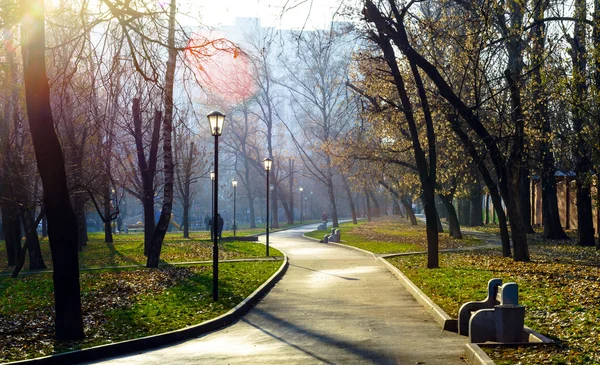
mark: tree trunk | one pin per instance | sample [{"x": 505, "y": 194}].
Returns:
[
  {"x": 585, "y": 227},
  {"x": 9, "y": 244},
  {"x": 550, "y": 214},
  {"x": 376, "y": 207},
  {"x": 147, "y": 168},
  {"x": 44, "y": 226},
  {"x": 585, "y": 223},
  {"x": 186, "y": 220},
  {"x": 487, "y": 209},
  {"x": 525, "y": 198},
  {"x": 286, "y": 210},
  {"x": 596, "y": 44},
  {"x": 57, "y": 204},
  {"x": 165, "y": 216},
  {"x": 149, "y": 220},
  {"x": 431, "y": 221},
  {"x": 31, "y": 246},
  {"x": 409, "y": 211},
  {"x": 252, "y": 210},
  {"x": 36, "y": 260},
  {"x": 79, "y": 207},
  {"x": 332, "y": 203},
  {"x": 274, "y": 202},
  {"x": 108, "y": 237},
  {"x": 440, "y": 228},
  {"x": 290, "y": 211},
  {"x": 475, "y": 209},
  {"x": 367, "y": 205},
  {"x": 350, "y": 199},
  {"x": 514, "y": 163},
  {"x": 453, "y": 224},
  {"x": 464, "y": 211}
]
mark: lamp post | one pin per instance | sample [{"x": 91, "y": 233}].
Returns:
[
  {"x": 311, "y": 206},
  {"x": 215, "y": 120},
  {"x": 301, "y": 205},
  {"x": 267, "y": 162},
  {"x": 212, "y": 194},
  {"x": 234, "y": 184}
]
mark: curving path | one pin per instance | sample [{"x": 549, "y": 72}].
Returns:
[{"x": 333, "y": 306}]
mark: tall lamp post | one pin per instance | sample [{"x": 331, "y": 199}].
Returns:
[
  {"x": 267, "y": 162},
  {"x": 311, "y": 207},
  {"x": 215, "y": 120},
  {"x": 301, "y": 205},
  {"x": 212, "y": 192},
  {"x": 234, "y": 184}
]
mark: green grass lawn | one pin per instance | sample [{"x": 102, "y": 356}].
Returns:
[
  {"x": 125, "y": 303},
  {"x": 127, "y": 249},
  {"x": 122, "y": 304},
  {"x": 391, "y": 235}
]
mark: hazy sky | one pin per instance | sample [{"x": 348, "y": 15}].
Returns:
[{"x": 317, "y": 13}]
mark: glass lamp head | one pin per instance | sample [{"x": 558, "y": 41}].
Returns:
[
  {"x": 215, "y": 120},
  {"x": 268, "y": 163}
]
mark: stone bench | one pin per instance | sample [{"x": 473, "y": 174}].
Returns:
[
  {"x": 335, "y": 236},
  {"x": 498, "y": 318},
  {"x": 134, "y": 228}
]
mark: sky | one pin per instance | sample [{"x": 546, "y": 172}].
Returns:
[{"x": 309, "y": 14}]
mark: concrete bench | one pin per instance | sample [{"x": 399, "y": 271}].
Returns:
[
  {"x": 134, "y": 228},
  {"x": 498, "y": 318},
  {"x": 335, "y": 236}
]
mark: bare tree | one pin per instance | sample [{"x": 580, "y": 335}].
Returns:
[
  {"x": 62, "y": 233},
  {"x": 319, "y": 100}
]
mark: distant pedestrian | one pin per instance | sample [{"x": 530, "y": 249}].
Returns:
[
  {"x": 219, "y": 226},
  {"x": 207, "y": 222},
  {"x": 324, "y": 217}
]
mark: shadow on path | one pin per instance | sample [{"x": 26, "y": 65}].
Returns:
[{"x": 367, "y": 355}]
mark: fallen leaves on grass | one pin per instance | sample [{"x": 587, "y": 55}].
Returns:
[
  {"x": 560, "y": 289},
  {"x": 394, "y": 229},
  {"x": 121, "y": 304}
]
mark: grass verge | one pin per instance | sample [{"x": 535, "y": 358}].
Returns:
[
  {"x": 128, "y": 249},
  {"x": 391, "y": 234},
  {"x": 121, "y": 304}
]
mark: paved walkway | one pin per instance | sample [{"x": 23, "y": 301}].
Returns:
[{"x": 333, "y": 306}]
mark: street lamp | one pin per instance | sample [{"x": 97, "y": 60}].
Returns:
[
  {"x": 215, "y": 120},
  {"x": 267, "y": 162},
  {"x": 301, "y": 205},
  {"x": 234, "y": 184}
]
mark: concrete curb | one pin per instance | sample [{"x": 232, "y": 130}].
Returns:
[
  {"x": 342, "y": 245},
  {"x": 150, "y": 342},
  {"x": 354, "y": 248},
  {"x": 476, "y": 355}
]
